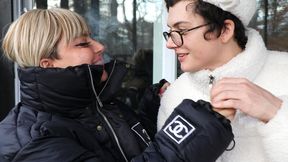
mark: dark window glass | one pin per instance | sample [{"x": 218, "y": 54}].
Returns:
[
  {"x": 6, "y": 67},
  {"x": 125, "y": 27},
  {"x": 271, "y": 20}
]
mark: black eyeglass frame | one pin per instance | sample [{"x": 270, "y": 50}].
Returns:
[{"x": 168, "y": 34}]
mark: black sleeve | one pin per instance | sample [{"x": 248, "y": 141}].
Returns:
[
  {"x": 192, "y": 133},
  {"x": 148, "y": 107},
  {"x": 57, "y": 149}
]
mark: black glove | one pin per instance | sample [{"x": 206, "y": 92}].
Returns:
[
  {"x": 194, "y": 133},
  {"x": 149, "y": 106}
]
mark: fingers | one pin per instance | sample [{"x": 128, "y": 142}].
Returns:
[
  {"x": 229, "y": 84},
  {"x": 228, "y": 103},
  {"x": 229, "y": 113},
  {"x": 241, "y": 94},
  {"x": 228, "y": 94},
  {"x": 163, "y": 88},
  {"x": 232, "y": 89}
]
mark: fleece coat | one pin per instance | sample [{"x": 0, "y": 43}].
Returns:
[{"x": 255, "y": 141}]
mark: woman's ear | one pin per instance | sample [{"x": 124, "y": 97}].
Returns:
[
  {"x": 227, "y": 32},
  {"x": 46, "y": 63}
]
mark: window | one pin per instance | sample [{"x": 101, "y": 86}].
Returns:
[
  {"x": 126, "y": 28},
  {"x": 123, "y": 26},
  {"x": 271, "y": 19}
]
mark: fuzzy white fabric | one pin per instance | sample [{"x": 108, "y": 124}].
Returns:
[
  {"x": 255, "y": 141},
  {"x": 243, "y": 9}
]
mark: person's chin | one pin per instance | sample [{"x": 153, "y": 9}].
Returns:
[{"x": 187, "y": 68}]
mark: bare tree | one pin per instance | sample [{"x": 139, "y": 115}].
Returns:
[
  {"x": 41, "y": 4},
  {"x": 134, "y": 28},
  {"x": 275, "y": 24},
  {"x": 265, "y": 21},
  {"x": 95, "y": 7},
  {"x": 64, "y": 4},
  {"x": 80, "y": 6}
]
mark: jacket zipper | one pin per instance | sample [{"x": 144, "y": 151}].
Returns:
[
  {"x": 211, "y": 80},
  {"x": 109, "y": 77},
  {"x": 102, "y": 114}
]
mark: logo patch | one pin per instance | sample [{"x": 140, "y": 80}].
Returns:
[{"x": 179, "y": 129}]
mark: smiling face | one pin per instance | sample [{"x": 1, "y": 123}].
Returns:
[{"x": 196, "y": 53}]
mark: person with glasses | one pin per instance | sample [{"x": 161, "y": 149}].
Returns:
[
  {"x": 226, "y": 63},
  {"x": 68, "y": 112}
]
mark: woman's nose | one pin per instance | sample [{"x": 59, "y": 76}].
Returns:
[
  {"x": 98, "y": 47},
  {"x": 170, "y": 44},
  {"x": 98, "y": 50}
]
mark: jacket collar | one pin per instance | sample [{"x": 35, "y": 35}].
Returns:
[
  {"x": 66, "y": 90},
  {"x": 246, "y": 64}
]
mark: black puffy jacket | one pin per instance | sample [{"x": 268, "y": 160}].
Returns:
[{"x": 66, "y": 115}]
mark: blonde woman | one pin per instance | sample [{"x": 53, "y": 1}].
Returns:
[{"x": 67, "y": 110}]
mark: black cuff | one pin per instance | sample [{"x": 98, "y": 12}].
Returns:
[{"x": 194, "y": 132}]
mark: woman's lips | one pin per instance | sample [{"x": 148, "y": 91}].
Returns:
[
  {"x": 99, "y": 61},
  {"x": 182, "y": 56}
]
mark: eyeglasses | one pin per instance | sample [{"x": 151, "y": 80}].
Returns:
[{"x": 177, "y": 36}]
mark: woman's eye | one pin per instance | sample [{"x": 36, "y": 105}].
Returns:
[{"x": 83, "y": 44}]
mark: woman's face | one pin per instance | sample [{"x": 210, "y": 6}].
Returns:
[
  {"x": 196, "y": 53},
  {"x": 82, "y": 50}
]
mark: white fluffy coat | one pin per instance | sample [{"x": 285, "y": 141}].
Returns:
[{"x": 255, "y": 140}]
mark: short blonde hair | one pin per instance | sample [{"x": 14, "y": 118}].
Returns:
[{"x": 35, "y": 35}]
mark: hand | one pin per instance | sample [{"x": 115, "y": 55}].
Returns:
[
  {"x": 163, "y": 88},
  {"x": 241, "y": 94},
  {"x": 229, "y": 113}
]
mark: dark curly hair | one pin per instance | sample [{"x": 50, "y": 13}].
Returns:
[{"x": 216, "y": 17}]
